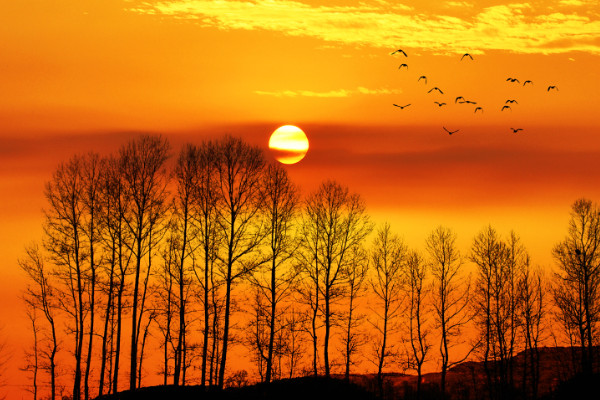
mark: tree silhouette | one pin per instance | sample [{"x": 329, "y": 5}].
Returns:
[
  {"x": 280, "y": 206},
  {"x": 450, "y": 295},
  {"x": 40, "y": 296},
  {"x": 118, "y": 243},
  {"x": 532, "y": 315},
  {"x": 417, "y": 298},
  {"x": 576, "y": 292},
  {"x": 353, "y": 339},
  {"x": 187, "y": 181},
  {"x": 90, "y": 176},
  {"x": 339, "y": 221},
  {"x": 64, "y": 241},
  {"x": 389, "y": 257},
  {"x": 238, "y": 168},
  {"x": 142, "y": 167},
  {"x": 499, "y": 266}
]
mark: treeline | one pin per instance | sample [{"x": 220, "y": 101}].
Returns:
[{"x": 183, "y": 259}]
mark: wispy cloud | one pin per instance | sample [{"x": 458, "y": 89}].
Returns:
[
  {"x": 329, "y": 94},
  {"x": 514, "y": 27},
  {"x": 572, "y": 3},
  {"x": 459, "y": 4}
]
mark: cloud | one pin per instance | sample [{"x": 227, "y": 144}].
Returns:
[
  {"x": 331, "y": 93},
  {"x": 514, "y": 27},
  {"x": 459, "y": 4},
  {"x": 574, "y": 3}
]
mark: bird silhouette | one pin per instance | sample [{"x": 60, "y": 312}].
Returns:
[
  {"x": 422, "y": 77},
  {"x": 399, "y": 51},
  {"x": 402, "y": 107},
  {"x": 477, "y": 108},
  {"x": 505, "y": 107},
  {"x": 470, "y": 102},
  {"x": 439, "y": 104},
  {"x": 513, "y": 80},
  {"x": 466, "y": 55},
  {"x": 511, "y": 101},
  {"x": 552, "y": 87},
  {"x": 459, "y": 98},
  {"x": 526, "y": 82},
  {"x": 403, "y": 65},
  {"x": 516, "y": 130},
  {"x": 435, "y": 88},
  {"x": 450, "y": 132}
]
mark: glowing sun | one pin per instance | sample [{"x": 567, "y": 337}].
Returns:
[{"x": 289, "y": 144}]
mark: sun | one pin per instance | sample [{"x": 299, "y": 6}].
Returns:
[{"x": 289, "y": 144}]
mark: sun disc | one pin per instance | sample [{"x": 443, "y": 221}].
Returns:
[{"x": 289, "y": 144}]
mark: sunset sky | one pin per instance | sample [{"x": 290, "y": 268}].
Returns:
[{"x": 81, "y": 75}]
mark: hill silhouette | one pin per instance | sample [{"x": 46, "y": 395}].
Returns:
[
  {"x": 559, "y": 379},
  {"x": 290, "y": 389}
]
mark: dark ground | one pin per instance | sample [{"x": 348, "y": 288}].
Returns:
[{"x": 308, "y": 388}]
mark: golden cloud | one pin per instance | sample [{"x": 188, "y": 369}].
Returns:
[
  {"x": 517, "y": 28},
  {"x": 328, "y": 94}
]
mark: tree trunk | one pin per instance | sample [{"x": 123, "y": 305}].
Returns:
[
  {"x": 109, "y": 307},
  {"x": 272, "y": 321}
]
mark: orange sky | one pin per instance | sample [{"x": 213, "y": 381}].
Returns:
[{"x": 79, "y": 75}]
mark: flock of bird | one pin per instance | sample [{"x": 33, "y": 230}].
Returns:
[{"x": 460, "y": 99}]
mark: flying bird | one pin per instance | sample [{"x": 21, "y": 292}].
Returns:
[
  {"x": 511, "y": 101},
  {"x": 505, "y": 107},
  {"x": 399, "y": 51},
  {"x": 435, "y": 88},
  {"x": 422, "y": 77},
  {"x": 402, "y": 107},
  {"x": 439, "y": 104},
  {"x": 513, "y": 80},
  {"x": 526, "y": 82},
  {"x": 516, "y": 130},
  {"x": 450, "y": 132},
  {"x": 403, "y": 65},
  {"x": 552, "y": 87},
  {"x": 466, "y": 55},
  {"x": 470, "y": 102},
  {"x": 477, "y": 108},
  {"x": 459, "y": 98}
]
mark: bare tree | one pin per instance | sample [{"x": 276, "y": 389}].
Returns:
[
  {"x": 280, "y": 204},
  {"x": 111, "y": 237},
  {"x": 239, "y": 169},
  {"x": 339, "y": 221},
  {"x": 117, "y": 242},
  {"x": 90, "y": 175},
  {"x": 499, "y": 265},
  {"x": 39, "y": 296},
  {"x": 516, "y": 263},
  {"x": 389, "y": 258},
  {"x": 532, "y": 314},
  {"x": 32, "y": 356},
  {"x": 144, "y": 184},
  {"x": 197, "y": 179},
  {"x": 64, "y": 240},
  {"x": 309, "y": 287},
  {"x": 450, "y": 295},
  {"x": 355, "y": 288},
  {"x": 257, "y": 331},
  {"x": 187, "y": 179},
  {"x": 165, "y": 299},
  {"x": 419, "y": 330},
  {"x": 4, "y": 358},
  {"x": 294, "y": 349},
  {"x": 576, "y": 292}
]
